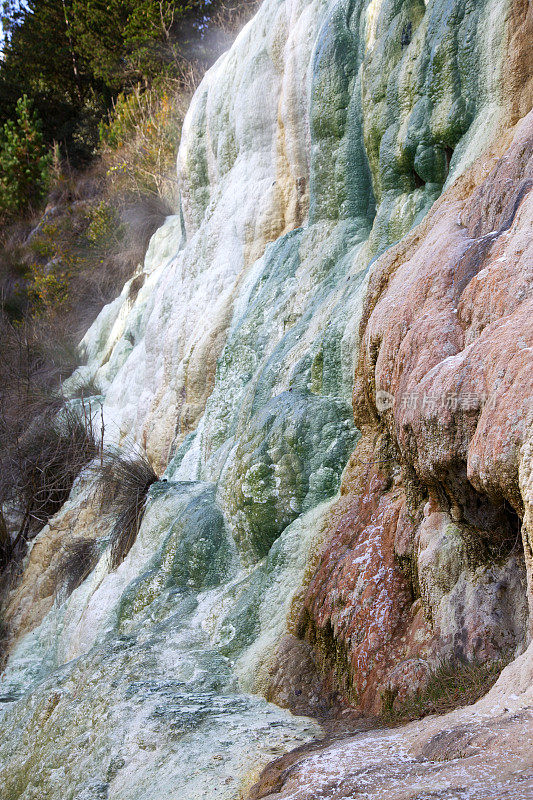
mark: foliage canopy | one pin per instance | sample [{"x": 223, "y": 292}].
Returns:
[{"x": 73, "y": 57}]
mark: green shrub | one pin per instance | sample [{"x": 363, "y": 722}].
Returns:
[
  {"x": 104, "y": 227},
  {"x": 24, "y": 162},
  {"x": 48, "y": 287}
]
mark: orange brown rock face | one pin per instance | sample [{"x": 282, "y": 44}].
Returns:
[{"x": 424, "y": 558}]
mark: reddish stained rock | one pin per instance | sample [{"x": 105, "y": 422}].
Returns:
[
  {"x": 460, "y": 365},
  {"x": 359, "y": 605},
  {"x": 432, "y": 500}
]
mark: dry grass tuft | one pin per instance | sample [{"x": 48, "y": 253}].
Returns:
[
  {"x": 79, "y": 560},
  {"x": 124, "y": 481},
  {"x": 452, "y": 685}
]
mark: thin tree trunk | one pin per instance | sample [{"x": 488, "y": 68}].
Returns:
[{"x": 72, "y": 51}]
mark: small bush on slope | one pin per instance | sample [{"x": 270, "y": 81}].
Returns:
[
  {"x": 140, "y": 140},
  {"x": 43, "y": 443}
]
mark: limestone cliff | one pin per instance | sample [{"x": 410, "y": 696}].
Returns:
[{"x": 328, "y": 357}]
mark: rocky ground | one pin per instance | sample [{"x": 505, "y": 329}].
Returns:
[{"x": 484, "y": 752}]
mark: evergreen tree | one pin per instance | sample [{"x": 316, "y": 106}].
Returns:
[
  {"x": 24, "y": 162},
  {"x": 42, "y": 61}
]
